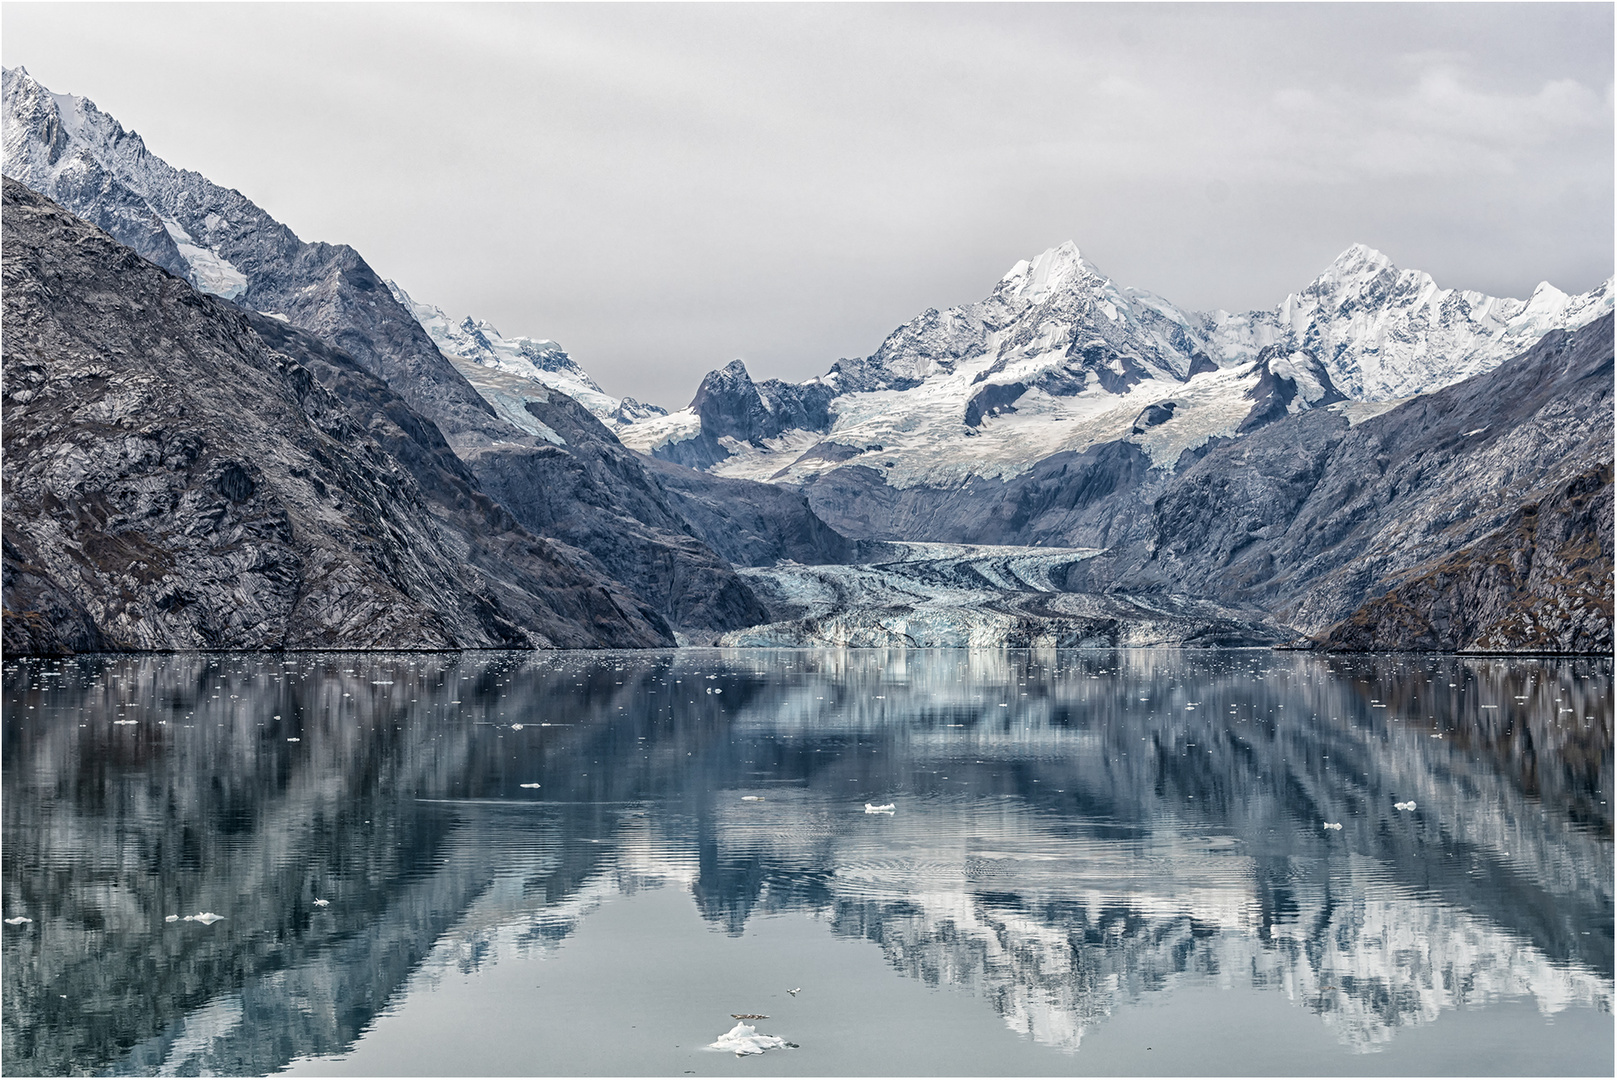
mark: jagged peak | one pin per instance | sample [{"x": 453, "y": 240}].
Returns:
[
  {"x": 1050, "y": 268},
  {"x": 1358, "y": 261}
]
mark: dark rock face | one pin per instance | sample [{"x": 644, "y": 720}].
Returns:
[
  {"x": 1093, "y": 498},
  {"x": 1311, "y": 518},
  {"x": 596, "y": 494},
  {"x": 731, "y": 405},
  {"x": 174, "y": 481},
  {"x": 1283, "y": 378},
  {"x": 749, "y": 523},
  {"x": 1152, "y": 415},
  {"x": 1540, "y": 583},
  {"x": 330, "y": 291},
  {"x": 993, "y": 400}
]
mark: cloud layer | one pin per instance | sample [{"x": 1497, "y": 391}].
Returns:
[{"x": 662, "y": 188}]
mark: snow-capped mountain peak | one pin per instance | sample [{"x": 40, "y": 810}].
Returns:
[{"x": 1058, "y": 268}]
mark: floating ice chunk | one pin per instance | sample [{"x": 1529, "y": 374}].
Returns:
[
  {"x": 126, "y": 721},
  {"x": 516, "y": 727},
  {"x": 294, "y": 740},
  {"x": 744, "y": 1039},
  {"x": 884, "y": 808},
  {"x": 321, "y": 903},
  {"x": 1410, "y": 805},
  {"x": 528, "y": 785},
  {"x": 1337, "y": 825},
  {"x": 206, "y": 918},
  {"x": 752, "y": 798},
  {"x": 794, "y": 993},
  {"x": 171, "y": 918},
  {"x": 18, "y": 920}
]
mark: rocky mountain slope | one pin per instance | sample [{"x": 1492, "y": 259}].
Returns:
[
  {"x": 176, "y": 481},
  {"x": 67, "y": 149},
  {"x": 1485, "y": 504}
]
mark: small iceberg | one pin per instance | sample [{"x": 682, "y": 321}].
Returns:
[
  {"x": 752, "y": 798},
  {"x": 321, "y": 903},
  {"x": 1410, "y": 805},
  {"x": 884, "y": 808},
  {"x": 528, "y": 785},
  {"x": 744, "y": 1039},
  {"x": 1337, "y": 825},
  {"x": 18, "y": 920},
  {"x": 206, "y": 918},
  {"x": 171, "y": 918}
]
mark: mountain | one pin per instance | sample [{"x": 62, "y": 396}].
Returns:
[
  {"x": 70, "y": 151},
  {"x": 1059, "y": 359},
  {"x": 184, "y": 475},
  {"x": 543, "y": 361},
  {"x": 1478, "y": 517}
]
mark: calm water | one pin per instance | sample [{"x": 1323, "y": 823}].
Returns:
[{"x": 1095, "y": 863}]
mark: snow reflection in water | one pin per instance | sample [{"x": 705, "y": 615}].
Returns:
[{"x": 1070, "y": 833}]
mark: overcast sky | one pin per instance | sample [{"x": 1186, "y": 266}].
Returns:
[{"x": 663, "y": 188}]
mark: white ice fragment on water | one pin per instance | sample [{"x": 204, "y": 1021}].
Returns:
[
  {"x": 884, "y": 808},
  {"x": 18, "y": 920},
  {"x": 744, "y": 1039},
  {"x": 1337, "y": 825},
  {"x": 794, "y": 993},
  {"x": 1410, "y": 805},
  {"x": 752, "y": 798},
  {"x": 171, "y": 918},
  {"x": 126, "y": 721},
  {"x": 321, "y": 903},
  {"x": 528, "y": 785},
  {"x": 294, "y": 740},
  {"x": 516, "y": 727},
  {"x": 206, "y": 918}
]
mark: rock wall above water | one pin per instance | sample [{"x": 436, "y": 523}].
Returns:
[{"x": 173, "y": 481}]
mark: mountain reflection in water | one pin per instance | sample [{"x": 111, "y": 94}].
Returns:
[{"x": 1073, "y": 830}]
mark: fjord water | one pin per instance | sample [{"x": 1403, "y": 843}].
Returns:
[{"x": 1095, "y": 863}]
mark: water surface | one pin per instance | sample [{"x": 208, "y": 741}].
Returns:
[{"x": 1095, "y": 863}]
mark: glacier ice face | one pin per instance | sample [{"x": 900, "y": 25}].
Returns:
[{"x": 976, "y": 596}]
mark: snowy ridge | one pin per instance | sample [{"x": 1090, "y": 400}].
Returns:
[
  {"x": 1386, "y": 333},
  {"x": 540, "y": 360},
  {"x": 63, "y": 143},
  {"x": 1060, "y": 358}
]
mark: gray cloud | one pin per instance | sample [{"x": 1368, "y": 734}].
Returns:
[{"x": 661, "y": 188}]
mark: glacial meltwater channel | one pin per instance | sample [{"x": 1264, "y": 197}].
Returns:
[{"x": 1147, "y": 862}]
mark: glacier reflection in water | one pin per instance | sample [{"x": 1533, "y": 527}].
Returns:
[{"x": 1075, "y": 835}]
